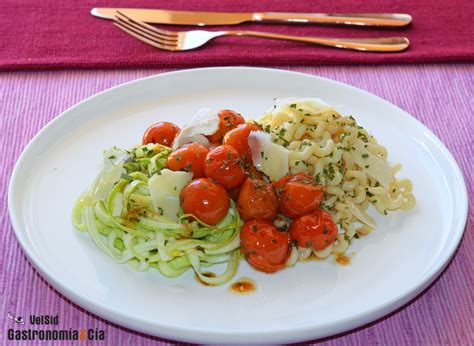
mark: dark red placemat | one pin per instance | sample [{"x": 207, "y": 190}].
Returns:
[{"x": 52, "y": 34}]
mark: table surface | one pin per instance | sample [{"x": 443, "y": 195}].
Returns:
[{"x": 440, "y": 96}]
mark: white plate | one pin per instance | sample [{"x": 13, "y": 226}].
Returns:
[{"x": 312, "y": 300}]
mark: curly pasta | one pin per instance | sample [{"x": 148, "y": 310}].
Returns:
[{"x": 345, "y": 158}]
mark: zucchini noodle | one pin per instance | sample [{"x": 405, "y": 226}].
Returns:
[{"x": 118, "y": 214}]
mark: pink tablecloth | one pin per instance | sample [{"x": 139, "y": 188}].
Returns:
[
  {"x": 440, "y": 96},
  {"x": 52, "y": 34}
]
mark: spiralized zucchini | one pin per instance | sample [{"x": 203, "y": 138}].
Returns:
[{"x": 118, "y": 214}]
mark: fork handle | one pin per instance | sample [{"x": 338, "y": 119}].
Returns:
[
  {"x": 364, "y": 19},
  {"x": 385, "y": 44}
]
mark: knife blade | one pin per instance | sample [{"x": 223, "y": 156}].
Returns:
[
  {"x": 175, "y": 17},
  {"x": 158, "y": 16}
]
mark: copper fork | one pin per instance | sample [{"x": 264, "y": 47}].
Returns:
[{"x": 186, "y": 40}]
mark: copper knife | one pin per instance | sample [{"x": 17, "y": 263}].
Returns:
[{"x": 231, "y": 18}]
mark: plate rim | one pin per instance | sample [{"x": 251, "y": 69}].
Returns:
[{"x": 293, "y": 334}]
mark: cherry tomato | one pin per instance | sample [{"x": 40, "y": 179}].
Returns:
[
  {"x": 189, "y": 158},
  {"x": 302, "y": 176},
  {"x": 228, "y": 120},
  {"x": 206, "y": 200},
  {"x": 257, "y": 200},
  {"x": 161, "y": 133},
  {"x": 224, "y": 166},
  {"x": 298, "y": 194},
  {"x": 299, "y": 198},
  {"x": 264, "y": 246},
  {"x": 316, "y": 230},
  {"x": 238, "y": 138},
  {"x": 254, "y": 173}
]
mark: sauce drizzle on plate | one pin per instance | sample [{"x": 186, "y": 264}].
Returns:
[
  {"x": 243, "y": 285},
  {"x": 343, "y": 259}
]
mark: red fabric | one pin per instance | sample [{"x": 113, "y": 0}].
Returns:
[{"x": 50, "y": 34}]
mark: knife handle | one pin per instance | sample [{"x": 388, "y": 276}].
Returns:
[{"x": 362, "y": 19}]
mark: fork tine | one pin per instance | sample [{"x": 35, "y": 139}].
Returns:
[
  {"x": 143, "y": 39},
  {"x": 139, "y": 31},
  {"x": 171, "y": 35},
  {"x": 133, "y": 24}
]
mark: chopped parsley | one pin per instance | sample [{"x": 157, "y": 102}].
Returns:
[
  {"x": 318, "y": 178},
  {"x": 363, "y": 137}
]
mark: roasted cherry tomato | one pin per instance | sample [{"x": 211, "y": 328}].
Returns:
[
  {"x": 189, "y": 158},
  {"x": 252, "y": 172},
  {"x": 238, "y": 138},
  {"x": 161, "y": 133},
  {"x": 224, "y": 166},
  {"x": 264, "y": 246},
  {"x": 257, "y": 200},
  {"x": 228, "y": 120},
  {"x": 299, "y": 194},
  {"x": 316, "y": 230},
  {"x": 206, "y": 200},
  {"x": 302, "y": 176},
  {"x": 299, "y": 198}
]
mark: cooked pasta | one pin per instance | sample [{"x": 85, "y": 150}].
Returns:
[{"x": 345, "y": 158}]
